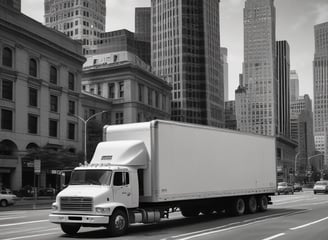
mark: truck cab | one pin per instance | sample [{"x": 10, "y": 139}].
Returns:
[{"x": 100, "y": 189}]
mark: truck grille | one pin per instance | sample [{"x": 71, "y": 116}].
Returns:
[{"x": 76, "y": 203}]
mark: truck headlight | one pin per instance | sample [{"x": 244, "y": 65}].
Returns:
[
  {"x": 102, "y": 210},
  {"x": 54, "y": 207}
]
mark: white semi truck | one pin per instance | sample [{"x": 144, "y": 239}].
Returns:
[{"x": 142, "y": 172}]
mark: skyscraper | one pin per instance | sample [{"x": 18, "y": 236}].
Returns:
[
  {"x": 83, "y": 20},
  {"x": 294, "y": 86},
  {"x": 15, "y": 4},
  {"x": 185, "y": 50},
  {"x": 301, "y": 124},
  {"x": 320, "y": 84},
  {"x": 224, "y": 59},
  {"x": 283, "y": 71},
  {"x": 142, "y": 24},
  {"x": 259, "y": 72}
]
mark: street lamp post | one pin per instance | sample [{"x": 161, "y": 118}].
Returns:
[{"x": 85, "y": 121}]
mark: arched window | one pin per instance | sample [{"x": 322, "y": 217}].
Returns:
[
  {"x": 7, "y": 57},
  {"x": 33, "y": 67},
  {"x": 53, "y": 75}
]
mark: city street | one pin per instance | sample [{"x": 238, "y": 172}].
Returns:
[{"x": 299, "y": 216}]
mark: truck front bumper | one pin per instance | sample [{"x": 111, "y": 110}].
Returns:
[{"x": 82, "y": 219}]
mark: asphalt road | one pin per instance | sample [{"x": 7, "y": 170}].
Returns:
[{"x": 292, "y": 217}]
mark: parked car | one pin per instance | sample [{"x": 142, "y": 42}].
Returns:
[
  {"x": 320, "y": 187},
  {"x": 47, "y": 191},
  {"x": 6, "y": 197},
  {"x": 285, "y": 188},
  {"x": 298, "y": 187}
]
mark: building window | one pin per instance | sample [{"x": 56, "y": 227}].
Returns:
[
  {"x": 157, "y": 99},
  {"x": 6, "y": 119},
  {"x": 32, "y": 124},
  {"x": 33, "y": 67},
  {"x": 53, "y": 75},
  {"x": 7, "y": 57},
  {"x": 71, "y": 131},
  {"x": 121, "y": 89},
  {"x": 33, "y": 97},
  {"x": 71, "y": 81},
  {"x": 141, "y": 92},
  {"x": 119, "y": 118},
  {"x": 53, "y": 103},
  {"x": 163, "y": 102},
  {"x": 150, "y": 96},
  {"x": 7, "y": 89},
  {"x": 71, "y": 107},
  {"x": 111, "y": 90},
  {"x": 53, "y": 128}
]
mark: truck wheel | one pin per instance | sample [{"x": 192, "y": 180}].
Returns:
[
  {"x": 189, "y": 211},
  {"x": 3, "y": 203},
  {"x": 118, "y": 223},
  {"x": 237, "y": 207},
  {"x": 70, "y": 228},
  {"x": 262, "y": 203},
  {"x": 251, "y": 206}
]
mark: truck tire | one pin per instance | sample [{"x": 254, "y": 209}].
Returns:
[
  {"x": 118, "y": 223},
  {"x": 251, "y": 206},
  {"x": 237, "y": 207},
  {"x": 3, "y": 203},
  {"x": 70, "y": 228},
  {"x": 262, "y": 203},
  {"x": 189, "y": 211}
]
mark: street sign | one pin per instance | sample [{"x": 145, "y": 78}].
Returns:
[{"x": 37, "y": 166}]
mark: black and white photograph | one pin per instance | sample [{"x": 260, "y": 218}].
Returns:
[{"x": 164, "y": 119}]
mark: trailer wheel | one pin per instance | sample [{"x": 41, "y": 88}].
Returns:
[
  {"x": 118, "y": 223},
  {"x": 262, "y": 203},
  {"x": 70, "y": 228},
  {"x": 251, "y": 206},
  {"x": 237, "y": 207},
  {"x": 189, "y": 211}
]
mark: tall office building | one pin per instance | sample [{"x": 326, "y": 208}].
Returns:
[
  {"x": 185, "y": 50},
  {"x": 83, "y": 20},
  {"x": 283, "y": 71},
  {"x": 224, "y": 60},
  {"x": 259, "y": 109},
  {"x": 320, "y": 84},
  {"x": 142, "y": 24},
  {"x": 294, "y": 85},
  {"x": 301, "y": 124}
]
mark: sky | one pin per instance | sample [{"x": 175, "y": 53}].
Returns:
[{"x": 295, "y": 20}]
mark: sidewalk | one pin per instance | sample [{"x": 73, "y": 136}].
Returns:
[{"x": 29, "y": 203}]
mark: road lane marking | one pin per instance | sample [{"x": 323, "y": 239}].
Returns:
[
  {"x": 33, "y": 230},
  {"x": 8, "y": 218},
  {"x": 209, "y": 231},
  {"x": 308, "y": 224},
  {"x": 201, "y": 231},
  {"x": 275, "y": 236},
  {"x": 22, "y": 223},
  {"x": 31, "y": 236}
]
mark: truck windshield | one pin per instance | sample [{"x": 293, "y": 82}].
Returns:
[{"x": 91, "y": 177}]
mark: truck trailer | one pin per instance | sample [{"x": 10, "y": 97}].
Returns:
[{"x": 142, "y": 172}]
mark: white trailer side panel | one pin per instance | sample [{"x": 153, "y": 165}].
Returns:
[{"x": 194, "y": 162}]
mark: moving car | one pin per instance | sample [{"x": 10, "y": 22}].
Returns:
[
  {"x": 320, "y": 187},
  {"x": 285, "y": 188},
  {"x": 6, "y": 197},
  {"x": 298, "y": 187}
]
